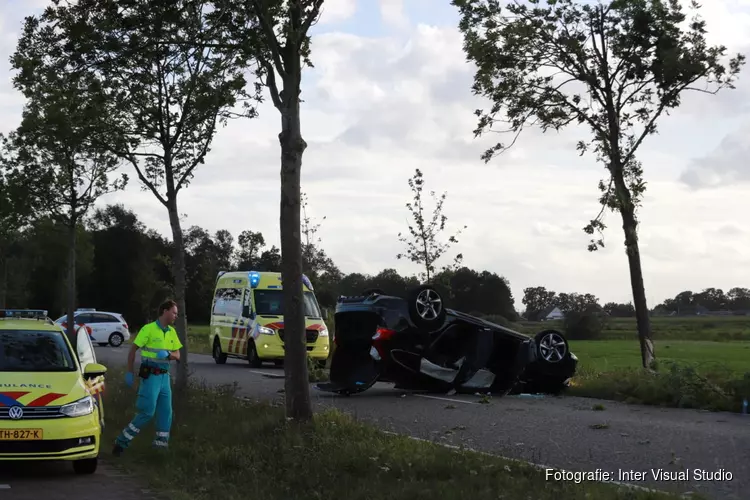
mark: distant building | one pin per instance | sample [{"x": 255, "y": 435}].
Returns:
[{"x": 551, "y": 313}]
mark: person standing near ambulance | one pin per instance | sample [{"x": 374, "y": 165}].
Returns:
[{"x": 159, "y": 345}]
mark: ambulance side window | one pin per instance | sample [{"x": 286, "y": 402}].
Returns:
[
  {"x": 219, "y": 303},
  {"x": 247, "y": 303},
  {"x": 233, "y": 301}
]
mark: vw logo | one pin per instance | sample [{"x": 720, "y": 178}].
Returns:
[{"x": 15, "y": 413}]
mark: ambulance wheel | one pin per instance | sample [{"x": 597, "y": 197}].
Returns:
[
  {"x": 252, "y": 356},
  {"x": 85, "y": 466},
  {"x": 219, "y": 356}
]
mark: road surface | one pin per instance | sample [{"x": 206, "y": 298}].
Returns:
[
  {"x": 32, "y": 481},
  {"x": 560, "y": 432}
]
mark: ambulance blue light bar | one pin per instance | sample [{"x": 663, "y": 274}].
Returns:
[
  {"x": 254, "y": 278},
  {"x": 307, "y": 282},
  {"x": 23, "y": 313}
]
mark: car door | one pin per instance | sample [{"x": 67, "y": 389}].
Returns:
[
  {"x": 98, "y": 324},
  {"x": 84, "y": 348},
  {"x": 85, "y": 319},
  {"x": 86, "y": 356}
]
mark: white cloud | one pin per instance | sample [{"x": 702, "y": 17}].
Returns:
[
  {"x": 725, "y": 165},
  {"x": 392, "y": 13},
  {"x": 377, "y": 108},
  {"x": 335, "y": 11}
]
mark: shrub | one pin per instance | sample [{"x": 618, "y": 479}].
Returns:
[
  {"x": 583, "y": 326},
  {"x": 674, "y": 385}
]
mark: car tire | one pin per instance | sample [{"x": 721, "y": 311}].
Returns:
[
  {"x": 252, "y": 355},
  {"x": 551, "y": 347},
  {"x": 218, "y": 356},
  {"x": 116, "y": 339},
  {"x": 85, "y": 466},
  {"x": 421, "y": 315}
]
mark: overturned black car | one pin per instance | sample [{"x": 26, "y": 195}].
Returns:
[{"x": 418, "y": 344}]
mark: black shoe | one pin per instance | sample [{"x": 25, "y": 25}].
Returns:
[{"x": 117, "y": 450}]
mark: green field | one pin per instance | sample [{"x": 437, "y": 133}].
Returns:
[
  {"x": 718, "y": 328},
  {"x": 198, "y": 339},
  {"x": 609, "y": 355}
]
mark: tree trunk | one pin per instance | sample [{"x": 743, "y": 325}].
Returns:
[
  {"x": 179, "y": 273},
  {"x": 3, "y": 276},
  {"x": 71, "y": 295},
  {"x": 629, "y": 225},
  {"x": 297, "y": 380}
]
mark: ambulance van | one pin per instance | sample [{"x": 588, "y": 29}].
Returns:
[{"x": 247, "y": 319}]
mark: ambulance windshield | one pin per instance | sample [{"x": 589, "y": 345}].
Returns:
[{"x": 34, "y": 351}]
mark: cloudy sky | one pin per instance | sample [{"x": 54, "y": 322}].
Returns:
[{"x": 391, "y": 92}]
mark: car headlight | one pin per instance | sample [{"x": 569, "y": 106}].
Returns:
[
  {"x": 80, "y": 408},
  {"x": 574, "y": 356},
  {"x": 323, "y": 333},
  {"x": 265, "y": 330}
]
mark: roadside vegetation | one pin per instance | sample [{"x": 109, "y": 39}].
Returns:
[
  {"x": 672, "y": 384},
  {"x": 334, "y": 457}
]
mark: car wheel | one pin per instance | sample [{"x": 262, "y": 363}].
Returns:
[
  {"x": 426, "y": 307},
  {"x": 252, "y": 355},
  {"x": 85, "y": 466},
  {"x": 116, "y": 339},
  {"x": 552, "y": 347},
  {"x": 219, "y": 356}
]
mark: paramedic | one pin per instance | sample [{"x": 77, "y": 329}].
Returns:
[{"x": 159, "y": 344}]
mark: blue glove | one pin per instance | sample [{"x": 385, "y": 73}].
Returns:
[
  {"x": 129, "y": 379},
  {"x": 162, "y": 354}
]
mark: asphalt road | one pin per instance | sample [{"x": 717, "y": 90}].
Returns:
[
  {"x": 56, "y": 481},
  {"x": 559, "y": 432}
]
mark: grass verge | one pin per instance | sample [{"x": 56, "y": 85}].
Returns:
[
  {"x": 673, "y": 384},
  {"x": 261, "y": 454}
]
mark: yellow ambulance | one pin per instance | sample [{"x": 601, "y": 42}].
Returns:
[
  {"x": 50, "y": 392},
  {"x": 247, "y": 319}
]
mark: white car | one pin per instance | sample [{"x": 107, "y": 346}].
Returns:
[{"x": 106, "y": 327}]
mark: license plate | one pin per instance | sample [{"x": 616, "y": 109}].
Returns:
[{"x": 21, "y": 434}]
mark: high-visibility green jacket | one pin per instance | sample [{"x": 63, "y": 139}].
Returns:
[{"x": 153, "y": 338}]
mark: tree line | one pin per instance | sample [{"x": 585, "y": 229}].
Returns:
[{"x": 538, "y": 301}]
